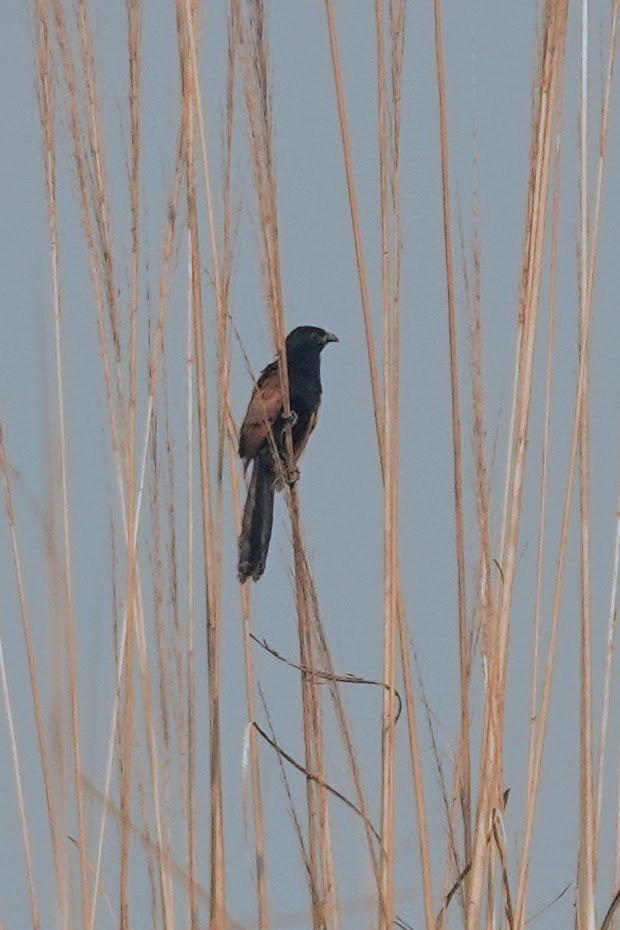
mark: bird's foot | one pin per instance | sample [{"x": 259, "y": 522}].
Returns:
[
  {"x": 291, "y": 419},
  {"x": 293, "y": 476}
]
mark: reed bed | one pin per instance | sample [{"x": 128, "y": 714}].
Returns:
[{"x": 215, "y": 759}]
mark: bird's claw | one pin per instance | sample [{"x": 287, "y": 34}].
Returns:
[
  {"x": 291, "y": 419},
  {"x": 293, "y": 476}
]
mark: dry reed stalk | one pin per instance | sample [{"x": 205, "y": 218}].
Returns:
[
  {"x": 131, "y": 521},
  {"x": 155, "y": 917},
  {"x": 323, "y": 784},
  {"x": 58, "y": 726},
  {"x": 99, "y": 208},
  {"x": 511, "y": 437},
  {"x": 491, "y": 917},
  {"x": 397, "y": 17},
  {"x": 133, "y": 8},
  {"x": 549, "y": 75},
  {"x": 312, "y": 857},
  {"x": 397, "y": 46},
  {"x": 193, "y": 87},
  {"x": 316, "y": 640},
  {"x": 133, "y": 496},
  {"x": 319, "y": 843},
  {"x": 161, "y": 652},
  {"x": 586, "y": 858},
  {"x": 176, "y": 642},
  {"x": 134, "y": 611},
  {"x": 355, "y": 223},
  {"x": 72, "y": 104},
  {"x": 98, "y": 184},
  {"x": 332, "y": 679},
  {"x": 254, "y": 761},
  {"x": 611, "y": 630},
  {"x": 490, "y": 779},
  {"x": 99, "y": 201},
  {"x": 211, "y": 538},
  {"x": 289, "y": 794},
  {"x": 416, "y": 764},
  {"x": 329, "y": 903},
  {"x": 451, "y": 860},
  {"x": 125, "y": 752},
  {"x": 151, "y": 850},
  {"x": 104, "y": 894},
  {"x": 165, "y": 888},
  {"x": 531, "y": 778},
  {"x": 543, "y": 465},
  {"x": 544, "y": 704},
  {"x": 190, "y": 814},
  {"x": 86, "y": 201},
  {"x": 323, "y": 675},
  {"x": 19, "y": 789},
  {"x": 333, "y": 684},
  {"x": 133, "y": 518},
  {"x": 484, "y": 607},
  {"x": 377, "y": 411},
  {"x": 386, "y": 907},
  {"x": 153, "y": 371},
  {"x": 224, "y": 272},
  {"x": 47, "y": 117},
  {"x": 610, "y": 636},
  {"x": 248, "y": 670},
  {"x": 609, "y": 71},
  {"x": 609, "y": 920},
  {"x": 217, "y": 881},
  {"x": 44, "y": 90},
  {"x": 616, "y": 872},
  {"x": 126, "y": 729},
  {"x": 220, "y": 276},
  {"x": 499, "y": 836},
  {"x": 464, "y": 750},
  {"x": 256, "y": 80},
  {"x": 92, "y": 199},
  {"x": 134, "y": 25},
  {"x": 543, "y": 714},
  {"x": 588, "y": 818}
]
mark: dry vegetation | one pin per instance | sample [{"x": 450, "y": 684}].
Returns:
[{"x": 168, "y": 522}]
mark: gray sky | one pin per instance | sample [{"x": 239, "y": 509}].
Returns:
[{"x": 490, "y": 54}]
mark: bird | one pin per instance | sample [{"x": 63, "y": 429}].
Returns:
[{"x": 261, "y": 438}]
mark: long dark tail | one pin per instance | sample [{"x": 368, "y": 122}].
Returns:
[{"x": 257, "y": 520}]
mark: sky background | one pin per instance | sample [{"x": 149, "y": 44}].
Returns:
[{"x": 490, "y": 55}]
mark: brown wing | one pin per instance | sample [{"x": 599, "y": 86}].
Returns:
[{"x": 263, "y": 410}]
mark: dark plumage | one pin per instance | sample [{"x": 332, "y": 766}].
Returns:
[{"x": 265, "y": 415}]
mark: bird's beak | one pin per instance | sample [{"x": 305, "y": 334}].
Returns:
[{"x": 329, "y": 337}]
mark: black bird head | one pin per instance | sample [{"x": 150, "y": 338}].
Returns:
[{"x": 308, "y": 340}]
